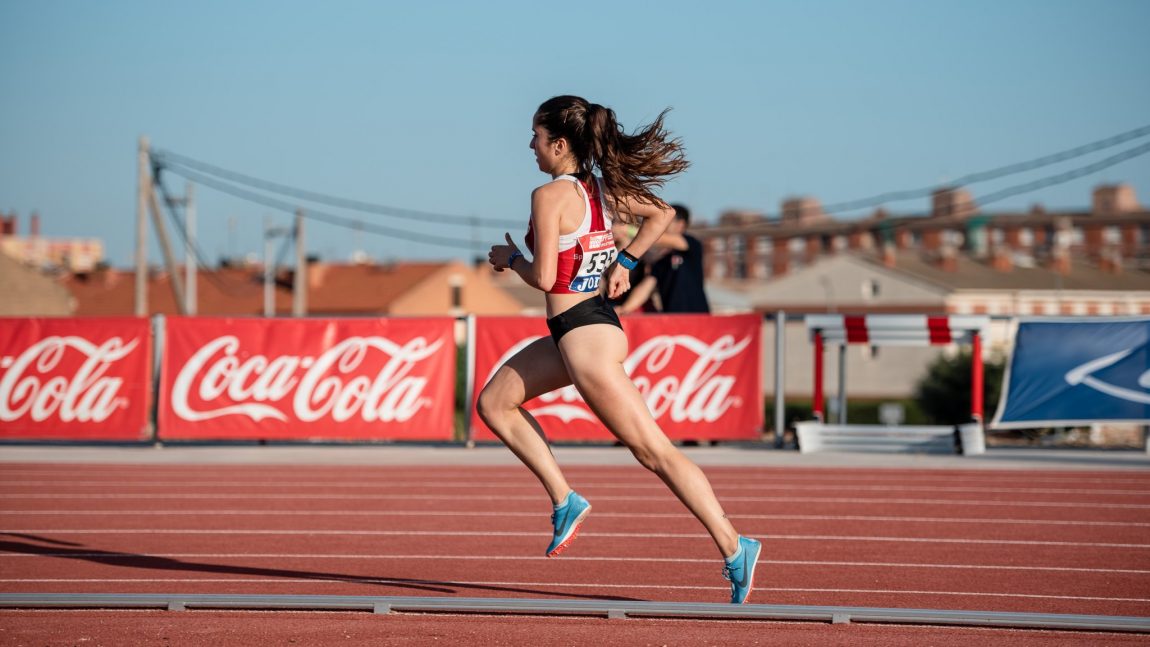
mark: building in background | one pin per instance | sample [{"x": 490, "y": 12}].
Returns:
[
  {"x": 955, "y": 260},
  {"x": 1038, "y": 250},
  {"x": 55, "y": 254},
  {"x": 29, "y": 292},
  {"x": 450, "y": 288}
]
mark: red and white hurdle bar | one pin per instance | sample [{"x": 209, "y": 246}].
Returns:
[{"x": 899, "y": 330}]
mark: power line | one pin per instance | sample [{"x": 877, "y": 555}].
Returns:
[
  {"x": 170, "y": 159},
  {"x": 1065, "y": 176},
  {"x": 982, "y": 176},
  {"x": 197, "y": 253},
  {"x": 329, "y": 218}
]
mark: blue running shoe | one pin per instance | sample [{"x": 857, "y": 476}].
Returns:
[
  {"x": 567, "y": 518},
  {"x": 741, "y": 573}
]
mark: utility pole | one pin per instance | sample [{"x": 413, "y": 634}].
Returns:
[
  {"x": 166, "y": 248},
  {"x": 190, "y": 262},
  {"x": 270, "y": 233},
  {"x": 299, "y": 285},
  {"x": 143, "y": 188}
]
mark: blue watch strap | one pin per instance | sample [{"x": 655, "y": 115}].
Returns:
[
  {"x": 626, "y": 260},
  {"x": 511, "y": 259}
]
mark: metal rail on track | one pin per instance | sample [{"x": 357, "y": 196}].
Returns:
[{"x": 607, "y": 608}]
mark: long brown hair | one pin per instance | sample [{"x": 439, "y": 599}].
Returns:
[{"x": 631, "y": 165}]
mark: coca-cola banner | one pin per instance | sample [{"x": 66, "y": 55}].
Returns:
[
  {"x": 699, "y": 374},
  {"x": 307, "y": 379},
  {"x": 75, "y": 379}
]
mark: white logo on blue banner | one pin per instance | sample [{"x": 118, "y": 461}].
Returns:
[{"x": 1077, "y": 371}]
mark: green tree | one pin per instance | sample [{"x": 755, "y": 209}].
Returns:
[{"x": 943, "y": 393}]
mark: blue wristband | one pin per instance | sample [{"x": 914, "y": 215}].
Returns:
[
  {"x": 628, "y": 261},
  {"x": 511, "y": 259}
]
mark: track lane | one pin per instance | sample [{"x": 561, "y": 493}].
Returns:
[{"x": 1042, "y": 542}]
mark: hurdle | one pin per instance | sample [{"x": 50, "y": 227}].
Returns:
[{"x": 892, "y": 330}]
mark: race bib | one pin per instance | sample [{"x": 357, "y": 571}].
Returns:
[{"x": 597, "y": 251}]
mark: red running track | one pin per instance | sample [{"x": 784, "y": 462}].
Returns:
[{"x": 1026, "y": 541}]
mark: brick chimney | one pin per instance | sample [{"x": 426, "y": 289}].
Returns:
[
  {"x": 802, "y": 210},
  {"x": 9, "y": 225},
  {"x": 738, "y": 218},
  {"x": 952, "y": 203},
  {"x": 1114, "y": 199}
]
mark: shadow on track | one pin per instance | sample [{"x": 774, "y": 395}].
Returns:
[{"x": 134, "y": 560}]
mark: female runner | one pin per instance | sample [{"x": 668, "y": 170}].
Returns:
[{"x": 569, "y": 237}]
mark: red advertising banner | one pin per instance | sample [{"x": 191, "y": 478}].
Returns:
[
  {"x": 307, "y": 379},
  {"x": 75, "y": 379},
  {"x": 699, "y": 374}
]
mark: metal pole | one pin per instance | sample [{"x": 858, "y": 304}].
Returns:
[
  {"x": 143, "y": 187},
  {"x": 191, "y": 264},
  {"x": 818, "y": 399},
  {"x": 269, "y": 293},
  {"x": 166, "y": 247},
  {"x": 843, "y": 383},
  {"x": 780, "y": 377},
  {"x": 299, "y": 285},
  {"x": 976, "y": 377}
]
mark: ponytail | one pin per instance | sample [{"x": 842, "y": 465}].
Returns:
[{"x": 632, "y": 166}]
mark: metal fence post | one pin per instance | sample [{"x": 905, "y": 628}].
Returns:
[{"x": 780, "y": 378}]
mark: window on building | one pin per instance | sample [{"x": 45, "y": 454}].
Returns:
[
  {"x": 455, "y": 282},
  {"x": 1026, "y": 237},
  {"x": 762, "y": 268},
  {"x": 1112, "y": 235},
  {"x": 764, "y": 246},
  {"x": 839, "y": 243},
  {"x": 997, "y": 236}
]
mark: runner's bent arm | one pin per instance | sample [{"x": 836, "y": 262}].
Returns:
[
  {"x": 540, "y": 272},
  {"x": 654, "y": 220}
]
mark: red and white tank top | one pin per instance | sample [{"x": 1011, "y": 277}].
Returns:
[{"x": 587, "y": 252}]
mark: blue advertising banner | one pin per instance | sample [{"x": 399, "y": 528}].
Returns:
[{"x": 1077, "y": 371}]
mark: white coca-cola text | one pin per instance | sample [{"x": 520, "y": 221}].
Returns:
[
  {"x": 31, "y": 384},
  {"x": 699, "y": 394},
  {"x": 337, "y": 383}
]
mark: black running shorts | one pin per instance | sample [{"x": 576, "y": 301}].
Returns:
[{"x": 595, "y": 310}]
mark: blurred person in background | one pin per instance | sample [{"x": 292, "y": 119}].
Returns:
[{"x": 677, "y": 267}]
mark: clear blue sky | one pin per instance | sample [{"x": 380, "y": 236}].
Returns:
[{"x": 428, "y": 105}]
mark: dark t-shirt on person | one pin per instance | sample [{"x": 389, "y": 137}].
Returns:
[{"x": 679, "y": 275}]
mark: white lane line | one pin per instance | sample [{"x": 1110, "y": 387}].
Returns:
[
  {"x": 472, "y": 485},
  {"x": 510, "y": 533},
  {"x": 569, "y": 585},
  {"x": 622, "y": 515},
  {"x": 673, "y": 560},
  {"x": 771, "y": 475},
  {"x": 698, "y": 536},
  {"x": 663, "y": 499}
]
